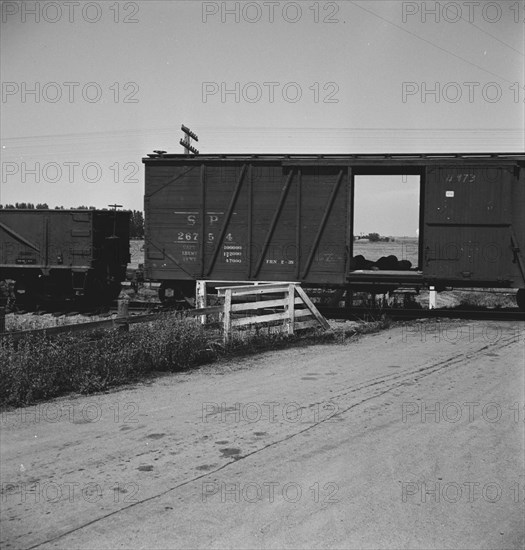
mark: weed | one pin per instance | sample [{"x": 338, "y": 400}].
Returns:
[{"x": 39, "y": 367}]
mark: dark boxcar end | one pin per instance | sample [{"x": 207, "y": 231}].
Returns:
[{"x": 62, "y": 254}]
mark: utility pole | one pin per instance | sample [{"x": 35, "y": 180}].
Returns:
[
  {"x": 114, "y": 206},
  {"x": 186, "y": 141}
]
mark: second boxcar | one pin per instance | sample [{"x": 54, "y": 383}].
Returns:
[{"x": 64, "y": 254}]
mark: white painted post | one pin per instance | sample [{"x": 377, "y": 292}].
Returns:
[
  {"x": 432, "y": 298},
  {"x": 201, "y": 299},
  {"x": 291, "y": 308},
  {"x": 123, "y": 313},
  {"x": 226, "y": 322}
]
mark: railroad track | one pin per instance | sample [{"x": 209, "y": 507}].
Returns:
[
  {"x": 141, "y": 307},
  {"x": 143, "y": 312},
  {"x": 59, "y": 309},
  {"x": 508, "y": 314},
  {"x": 110, "y": 320}
]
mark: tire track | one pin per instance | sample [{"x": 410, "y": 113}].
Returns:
[{"x": 364, "y": 392}]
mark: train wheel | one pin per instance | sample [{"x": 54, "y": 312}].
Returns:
[{"x": 520, "y": 299}]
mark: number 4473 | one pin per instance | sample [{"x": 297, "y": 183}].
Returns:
[{"x": 460, "y": 178}]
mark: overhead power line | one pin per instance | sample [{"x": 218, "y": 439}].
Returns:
[{"x": 430, "y": 42}]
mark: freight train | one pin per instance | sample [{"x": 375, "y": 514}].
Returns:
[
  {"x": 290, "y": 218},
  {"x": 242, "y": 218},
  {"x": 65, "y": 255}
]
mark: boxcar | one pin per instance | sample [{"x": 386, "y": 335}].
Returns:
[
  {"x": 290, "y": 218},
  {"x": 64, "y": 254}
]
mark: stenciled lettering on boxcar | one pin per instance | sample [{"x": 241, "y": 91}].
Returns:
[
  {"x": 188, "y": 236},
  {"x": 233, "y": 253},
  {"x": 26, "y": 258},
  {"x": 12, "y": 253},
  {"x": 287, "y": 254},
  {"x": 481, "y": 174}
]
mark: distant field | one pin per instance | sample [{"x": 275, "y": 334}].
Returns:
[
  {"x": 403, "y": 248},
  {"x": 136, "y": 249}
]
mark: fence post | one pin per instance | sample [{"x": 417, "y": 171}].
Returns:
[
  {"x": 122, "y": 314},
  {"x": 291, "y": 308},
  {"x": 2, "y": 319},
  {"x": 349, "y": 298},
  {"x": 226, "y": 321},
  {"x": 432, "y": 298},
  {"x": 201, "y": 299}
]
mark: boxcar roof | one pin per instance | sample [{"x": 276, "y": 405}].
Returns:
[
  {"x": 369, "y": 158},
  {"x": 65, "y": 210}
]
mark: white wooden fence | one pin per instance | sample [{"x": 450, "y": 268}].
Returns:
[
  {"x": 254, "y": 305},
  {"x": 243, "y": 307}
]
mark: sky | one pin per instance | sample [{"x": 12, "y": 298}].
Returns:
[{"x": 89, "y": 88}]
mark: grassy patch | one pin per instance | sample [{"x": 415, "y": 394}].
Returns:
[
  {"x": 18, "y": 322},
  {"x": 487, "y": 299},
  {"x": 263, "y": 339},
  {"x": 40, "y": 367},
  {"x": 344, "y": 334}
]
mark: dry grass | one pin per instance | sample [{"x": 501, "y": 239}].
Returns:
[
  {"x": 40, "y": 366},
  {"x": 136, "y": 249},
  {"x": 488, "y": 298},
  {"x": 28, "y": 321}
]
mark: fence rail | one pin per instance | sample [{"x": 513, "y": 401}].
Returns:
[
  {"x": 121, "y": 322},
  {"x": 294, "y": 309},
  {"x": 293, "y": 318}
]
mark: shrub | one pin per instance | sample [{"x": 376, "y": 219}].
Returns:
[
  {"x": 41, "y": 367},
  {"x": 171, "y": 345}
]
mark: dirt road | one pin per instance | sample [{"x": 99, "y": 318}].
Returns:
[{"x": 410, "y": 438}]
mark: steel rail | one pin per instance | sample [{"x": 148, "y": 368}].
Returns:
[
  {"x": 510, "y": 314},
  {"x": 107, "y": 323}
]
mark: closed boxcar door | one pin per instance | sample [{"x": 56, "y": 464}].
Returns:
[
  {"x": 324, "y": 224},
  {"x": 467, "y": 219}
]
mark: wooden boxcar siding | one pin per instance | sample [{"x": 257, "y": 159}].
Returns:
[
  {"x": 469, "y": 215},
  {"x": 285, "y": 223},
  {"x": 518, "y": 222},
  {"x": 38, "y": 238}
]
